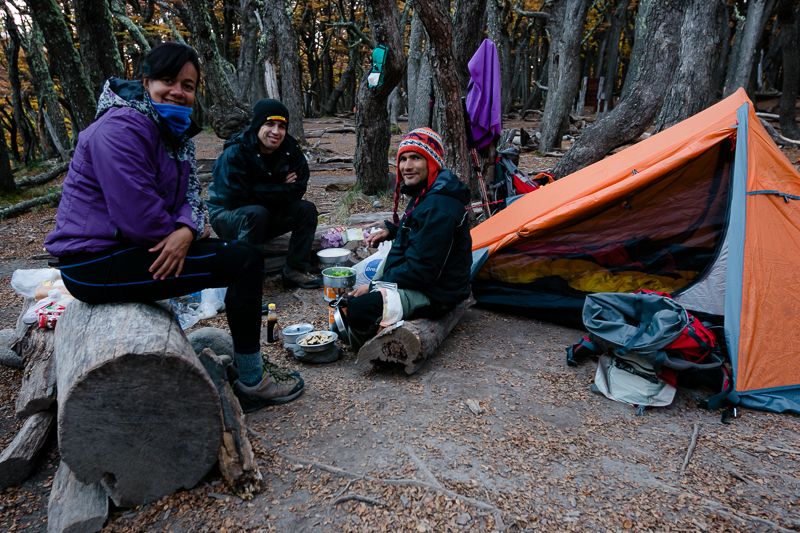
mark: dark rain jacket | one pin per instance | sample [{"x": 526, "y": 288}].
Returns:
[
  {"x": 244, "y": 176},
  {"x": 432, "y": 248}
]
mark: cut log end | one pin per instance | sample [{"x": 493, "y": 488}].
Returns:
[
  {"x": 411, "y": 343},
  {"x": 145, "y": 424}
]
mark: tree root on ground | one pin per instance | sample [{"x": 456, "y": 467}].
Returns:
[{"x": 479, "y": 504}]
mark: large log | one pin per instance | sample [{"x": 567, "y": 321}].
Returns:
[
  {"x": 18, "y": 459},
  {"x": 136, "y": 409},
  {"x": 412, "y": 342},
  {"x": 74, "y": 506}
]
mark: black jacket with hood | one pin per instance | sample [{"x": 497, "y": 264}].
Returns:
[
  {"x": 432, "y": 248},
  {"x": 245, "y": 176}
]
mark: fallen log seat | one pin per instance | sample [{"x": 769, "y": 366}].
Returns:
[
  {"x": 136, "y": 410},
  {"x": 411, "y": 342}
]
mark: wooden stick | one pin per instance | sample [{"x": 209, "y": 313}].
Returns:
[{"x": 690, "y": 450}]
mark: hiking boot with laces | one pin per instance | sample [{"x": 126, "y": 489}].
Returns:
[
  {"x": 277, "y": 386},
  {"x": 298, "y": 278}
]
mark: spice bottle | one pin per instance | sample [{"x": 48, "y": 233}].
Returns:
[{"x": 272, "y": 323}]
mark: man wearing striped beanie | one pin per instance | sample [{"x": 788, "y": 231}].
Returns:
[{"x": 427, "y": 270}]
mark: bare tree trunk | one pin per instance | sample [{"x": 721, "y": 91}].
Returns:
[
  {"x": 789, "y": 16},
  {"x": 248, "y": 87},
  {"x": 11, "y": 128},
  {"x": 740, "y": 65},
  {"x": 117, "y": 8},
  {"x": 372, "y": 119},
  {"x": 291, "y": 85},
  {"x": 228, "y": 114},
  {"x": 652, "y": 66},
  {"x": 48, "y": 99},
  {"x": 6, "y": 176},
  {"x": 612, "y": 56},
  {"x": 98, "y": 44},
  {"x": 565, "y": 28},
  {"x": 269, "y": 54},
  {"x": 65, "y": 60},
  {"x": 469, "y": 20},
  {"x": 345, "y": 80},
  {"x": 435, "y": 17},
  {"x": 394, "y": 106},
  {"x": 419, "y": 76},
  {"x": 20, "y": 117},
  {"x": 692, "y": 89},
  {"x": 495, "y": 16}
]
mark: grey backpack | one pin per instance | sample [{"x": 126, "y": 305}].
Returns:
[{"x": 632, "y": 331}]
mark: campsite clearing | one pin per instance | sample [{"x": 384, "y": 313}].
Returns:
[{"x": 495, "y": 432}]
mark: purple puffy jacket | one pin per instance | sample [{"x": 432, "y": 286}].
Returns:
[{"x": 124, "y": 185}]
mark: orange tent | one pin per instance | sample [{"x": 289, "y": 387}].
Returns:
[{"x": 707, "y": 210}]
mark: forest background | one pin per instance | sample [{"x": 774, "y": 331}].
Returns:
[
  {"x": 631, "y": 65},
  {"x": 547, "y": 453}
]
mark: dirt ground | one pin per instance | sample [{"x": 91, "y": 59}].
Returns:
[{"x": 381, "y": 451}]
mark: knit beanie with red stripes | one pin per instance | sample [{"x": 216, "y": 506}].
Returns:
[{"x": 428, "y": 144}]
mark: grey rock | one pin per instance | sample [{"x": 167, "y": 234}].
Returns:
[
  {"x": 218, "y": 340},
  {"x": 9, "y": 357},
  {"x": 463, "y": 519},
  {"x": 7, "y": 338}
]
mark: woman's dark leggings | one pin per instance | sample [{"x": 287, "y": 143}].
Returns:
[{"x": 120, "y": 274}]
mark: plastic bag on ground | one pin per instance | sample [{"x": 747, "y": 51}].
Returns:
[
  {"x": 26, "y": 281},
  {"x": 211, "y": 301}
]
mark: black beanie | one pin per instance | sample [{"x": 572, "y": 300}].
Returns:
[{"x": 265, "y": 109}]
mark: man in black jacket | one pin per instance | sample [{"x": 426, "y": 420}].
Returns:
[
  {"x": 258, "y": 188},
  {"x": 427, "y": 270}
]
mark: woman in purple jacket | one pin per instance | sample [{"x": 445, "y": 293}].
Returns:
[{"x": 131, "y": 225}]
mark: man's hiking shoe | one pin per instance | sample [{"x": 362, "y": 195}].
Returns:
[
  {"x": 298, "y": 278},
  {"x": 277, "y": 386}
]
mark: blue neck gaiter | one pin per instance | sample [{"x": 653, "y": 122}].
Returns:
[{"x": 176, "y": 117}]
